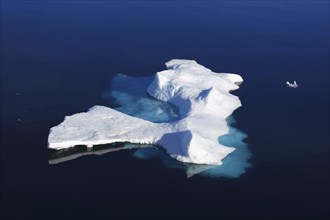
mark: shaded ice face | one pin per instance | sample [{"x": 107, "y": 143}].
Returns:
[{"x": 131, "y": 98}]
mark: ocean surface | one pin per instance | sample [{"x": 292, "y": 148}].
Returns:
[{"x": 63, "y": 57}]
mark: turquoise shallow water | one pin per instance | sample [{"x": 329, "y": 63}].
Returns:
[{"x": 129, "y": 93}]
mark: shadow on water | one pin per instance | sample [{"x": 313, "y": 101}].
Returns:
[
  {"x": 128, "y": 95},
  {"x": 63, "y": 155}
]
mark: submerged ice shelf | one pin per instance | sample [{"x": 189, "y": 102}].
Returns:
[{"x": 204, "y": 101}]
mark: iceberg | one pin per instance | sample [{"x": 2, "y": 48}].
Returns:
[
  {"x": 204, "y": 103},
  {"x": 291, "y": 85}
]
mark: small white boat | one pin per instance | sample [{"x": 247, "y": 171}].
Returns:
[{"x": 292, "y": 85}]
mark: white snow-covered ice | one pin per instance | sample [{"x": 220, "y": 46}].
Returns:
[{"x": 204, "y": 101}]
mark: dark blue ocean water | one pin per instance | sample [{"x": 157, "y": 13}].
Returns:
[{"x": 59, "y": 57}]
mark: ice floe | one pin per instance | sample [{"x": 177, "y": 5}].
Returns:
[{"x": 204, "y": 102}]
